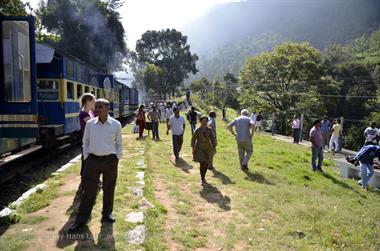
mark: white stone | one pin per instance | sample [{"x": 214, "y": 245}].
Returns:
[
  {"x": 140, "y": 175},
  {"x": 141, "y": 183},
  {"x": 5, "y": 212},
  {"x": 64, "y": 167},
  {"x": 145, "y": 204},
  {"x": 137, "y": 191},
  {"x": 137, "y": 235},
  {"x": 135, "y": 217},
  {"x": 26, "y": 195},
  {"x": 26, "y": 230}
]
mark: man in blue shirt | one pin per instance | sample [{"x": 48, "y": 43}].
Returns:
[
  {"x": 325, "y": 130},
  {"x": 365, "y": 157}
]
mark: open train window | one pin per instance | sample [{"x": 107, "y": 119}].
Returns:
[
  {"x": 70, "y": 90},
  {"x": 79, "y": 90},
  {"x": 16, "y": 61},
  {"x": 98, "y": 93},
  {"x": 86, "y": 89},
  {"x": 93, "y": 90},
  {"x": 47, "y": 90}
]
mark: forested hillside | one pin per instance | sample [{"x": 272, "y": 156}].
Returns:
[{"x": 229, "y": 33}]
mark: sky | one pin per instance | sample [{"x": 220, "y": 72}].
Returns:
[{"x": 139, "y": 16}]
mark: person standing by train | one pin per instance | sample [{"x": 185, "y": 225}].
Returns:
[
  {"x": 203, "y": 143},
  {"x": 154, "y": 117},
  {"x": 141, "y": 120},
  {"x": 86, "y": 113},
  {"x": 102, "y": 150}
]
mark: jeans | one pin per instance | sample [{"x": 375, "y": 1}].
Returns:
[
  {"x": 245, "y": 150},
  {"x": 296, "y": 135},
  {"x": 193, "y": 125},
  {"x": 366, "y": 172},
  {"x": 317, "y": 152},
  {"x": 155, "y": 130},
  {"x": 177, "y": 144}
]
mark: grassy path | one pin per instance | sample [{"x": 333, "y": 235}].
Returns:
[{"x": 279, "y": 204}]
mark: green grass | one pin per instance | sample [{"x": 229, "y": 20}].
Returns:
[
  {"x": 279, "y": 204},
  {"x": 15, "y": 242}
]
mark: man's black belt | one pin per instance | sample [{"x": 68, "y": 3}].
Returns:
[{"x": 102, "y": 156}]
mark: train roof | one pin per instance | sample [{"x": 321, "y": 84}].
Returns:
[
  {"x": 45, "y": 54},
  {"x": 124, "y": 82}
]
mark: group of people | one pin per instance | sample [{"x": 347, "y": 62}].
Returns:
[
  {"x": 102, "y": 146},
  {"x": 319, "y": 134}
]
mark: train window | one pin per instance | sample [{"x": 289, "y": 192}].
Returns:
[
  {"x": 98, "y": 93},
  {"x": 16, "y": 61},
  {"x": 79, "y": 72},
  {"x": 70, "y": 69},
  {"x": 86, "y": 89},
  {"x": 79, "y": 90},
  {"x": 47, "y": 89},
  {"x": 70, "y": 90},
  {"x": 93, "y": 90}
]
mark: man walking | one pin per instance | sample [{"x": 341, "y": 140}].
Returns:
[
  {"x": 258, "y": 122},
  {"x": 154, "y": 117},
  {"x": 192, "y": 116},
  {"x": 102, "y": 150},
  {"x": 245, "y": 129},
  {"x": 335, "y": 134},
  {"x": 325, "y": 130},
  {"x": 316, "y": 146},
  {"x": 177, "y": 124}
]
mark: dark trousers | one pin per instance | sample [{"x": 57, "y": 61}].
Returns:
[
  {"x": 193, "y": 125},
  {"x": 296, "y": 135},
  {"x": 177, "y": 144},
  {"x": 155, "y": 130},
  {"x": 94, "y": 167}
]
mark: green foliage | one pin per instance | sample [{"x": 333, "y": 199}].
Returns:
[
  {"x": 13, "y": 7},
  {"x": 88, "y": 29},
  {"x": 168, "y": 50}
]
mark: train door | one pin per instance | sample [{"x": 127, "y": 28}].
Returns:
[{"x": 18, "y": 101}]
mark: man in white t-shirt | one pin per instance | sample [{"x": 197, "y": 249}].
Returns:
[
  {"x": 162, "y": 112},
  {"x": 253, "y": 117},
  {"x": 336, "y": 130},
  {"x": 177, "y": 125},
  {"x": 371, "y": 134}
]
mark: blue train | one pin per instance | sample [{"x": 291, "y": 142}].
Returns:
[{"x": 41, "y": 86}]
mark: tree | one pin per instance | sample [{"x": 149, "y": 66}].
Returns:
[
  {"x": 88, "y": 29},
  {"x": 13, "y": 7},
  {"x": 152, "y": 77},
  {"x": 273, "y": 81},
  {"x": 168, "y": 50}
]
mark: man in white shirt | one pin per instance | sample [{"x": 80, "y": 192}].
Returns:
[
  {"x": 335, "y": 134},
  {"x": 162, "y": 112},
  {"x": 253, "y": 117},
  {"x": 371, "y": 134},
  {"x": 102, "y": 149},
  {"x": 177, "y": 125},
  {"x": 296, "y": 127}
]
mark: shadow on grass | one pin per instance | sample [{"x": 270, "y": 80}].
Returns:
[
  {"x": 84, "y": 237},
  {"x": 212, "y": 195},
  {"x": 257, "y": 177},
  {"x": 224, "y": 178},
  {"x": 182, "y": 164},
  {"x": 342, "y": 184}
]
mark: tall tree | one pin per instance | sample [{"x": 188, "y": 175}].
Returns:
[
  {"x": 13, "y": 7},
  {"x": 88, "y": 29},
  {"x": 273, "y": 81},
  {"x": 168, "y": 50}
]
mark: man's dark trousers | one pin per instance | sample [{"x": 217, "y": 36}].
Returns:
[
  {"x": 94, "y": 166},
  {"x": 177, "y": 144}
]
